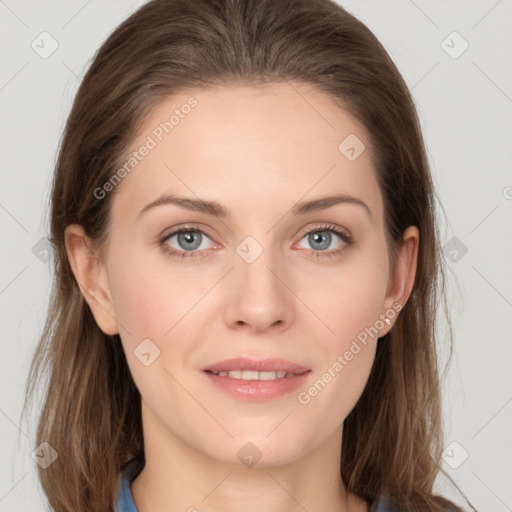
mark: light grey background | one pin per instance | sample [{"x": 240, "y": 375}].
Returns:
[{"x": 465, "y": 105}]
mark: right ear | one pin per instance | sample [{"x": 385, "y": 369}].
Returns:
[{"x": 91, "y": 275}]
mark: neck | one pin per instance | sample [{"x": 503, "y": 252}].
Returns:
[{"x": 177, "y": 476}]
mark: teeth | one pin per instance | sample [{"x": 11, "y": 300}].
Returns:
[{"x": 253, "y": 375}]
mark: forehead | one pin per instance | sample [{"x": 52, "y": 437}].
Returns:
[{"x": 249, "y": 148}]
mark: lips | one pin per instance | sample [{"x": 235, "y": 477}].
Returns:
[
  {"x": 243, "y": 364},
  {"x": 256, "y": 380}
]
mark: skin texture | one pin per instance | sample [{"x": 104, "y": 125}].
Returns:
[{"x": 257, "y": 151}]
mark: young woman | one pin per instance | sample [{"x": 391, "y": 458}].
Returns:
[{"x": 247, "y": 271}]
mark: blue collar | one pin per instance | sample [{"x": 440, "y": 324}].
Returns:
[{"x": 125, "y": 501}]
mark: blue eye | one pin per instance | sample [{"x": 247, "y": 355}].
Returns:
[
  {"x": 320, "y": 238},
  {"x": 190, "y": 239}
]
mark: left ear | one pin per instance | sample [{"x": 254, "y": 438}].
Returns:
[{"x": 402, "y": 279}]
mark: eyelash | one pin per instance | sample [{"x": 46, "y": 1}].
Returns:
[{"x": 173, "y": 253}]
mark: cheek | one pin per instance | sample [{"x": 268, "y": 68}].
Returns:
[
  {"x": 146, "y": 300},
  {"x": 345, "y": 357},
  {"x": 350, "y": 297},
  {"x": 349, "y": 304},
  {"x": 151, "y": 303},
  {"x": 147, "y": 306}
]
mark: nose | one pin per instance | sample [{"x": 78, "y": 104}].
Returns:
[{"x": 257, "y": 296}]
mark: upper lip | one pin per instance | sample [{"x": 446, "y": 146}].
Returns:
[{"x": 259, "y": 365}]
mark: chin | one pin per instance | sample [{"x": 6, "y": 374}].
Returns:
[{"x": 256, "y": 451}]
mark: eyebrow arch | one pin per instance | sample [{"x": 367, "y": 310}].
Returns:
[{"x": 217, "y": 210}]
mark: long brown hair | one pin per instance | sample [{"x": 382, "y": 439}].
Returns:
[{"x": 91, "y": 416}]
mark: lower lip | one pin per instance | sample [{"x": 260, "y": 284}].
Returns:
[{"x": 258, "y": 389}]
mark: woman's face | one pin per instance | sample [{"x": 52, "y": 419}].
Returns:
[{"x": 250, "y": 283}]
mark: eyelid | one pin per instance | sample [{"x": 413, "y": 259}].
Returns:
[
  {"x": 325, "y": 226},
  {"x": 342, "y": 233},
  {"x": 307, "y": 230},
  {"x": 168, "y": 233},
  {"x": 190, "y": 226}
]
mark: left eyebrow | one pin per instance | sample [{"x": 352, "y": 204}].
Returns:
[
  {"x": 217, "y": 210},
  {"x": 323, "y": 203}
]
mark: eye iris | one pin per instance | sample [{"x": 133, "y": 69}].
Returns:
[
  {"x": 316, "y": 238},
  {"x": 188, "y": 237}
]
